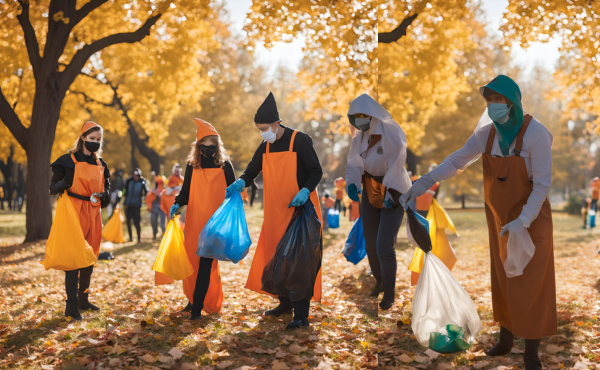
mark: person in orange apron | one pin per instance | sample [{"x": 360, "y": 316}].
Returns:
[
  {"x": 207, "y": 174},
  {"x": 153, "y": 203},
  {"x": 291, "y": 172},
  {"x": 517, "y": 171},
  {"x": 85, "y": 178},
  {"x": 167, "y": 196},
  {"x": 376, "y": 162},
  {"x": 328, "y": 204}
]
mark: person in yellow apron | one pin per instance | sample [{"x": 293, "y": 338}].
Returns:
[
  {"x": 207, "y": 174},
  {"x": 291, "y": 172},
  {"x": 517, "y": 171},
  {"x": 376, "y": 163},
  {"x": 85, "y": 178}
]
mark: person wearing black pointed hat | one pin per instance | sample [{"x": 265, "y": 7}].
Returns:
[{"x": 291, "y": 172}]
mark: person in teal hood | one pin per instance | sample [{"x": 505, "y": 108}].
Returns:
[{"x": 514, "y": 146}]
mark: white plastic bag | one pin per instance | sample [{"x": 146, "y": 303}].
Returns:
[
  {"x": 439, "y": 300},
  {"x": 519, "y": 251}
]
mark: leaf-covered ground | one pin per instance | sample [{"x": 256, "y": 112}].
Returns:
[
  {"x": 139, "y": 325},
  {"x": 577, "y": 344}
]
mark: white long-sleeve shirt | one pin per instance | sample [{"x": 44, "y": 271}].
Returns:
[
  {"x": 536, "y": 151},
  {"x": 386, "y": 158}
]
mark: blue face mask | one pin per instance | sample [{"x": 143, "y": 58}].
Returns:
[{"x": 498, "y": 112}]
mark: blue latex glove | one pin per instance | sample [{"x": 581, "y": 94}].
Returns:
[
  {"x": 172, "y": 211},
  {"x": 353, "y": 192},
  {"x": 300, "y": 198},
  {"x": 388, "y": 203},
  {"x": 239, "y": 185}
]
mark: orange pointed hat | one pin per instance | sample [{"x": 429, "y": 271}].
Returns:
[{"x": 204, "y": 129}]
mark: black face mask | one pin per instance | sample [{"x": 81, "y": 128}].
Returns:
[
  {"x": 92, "y": 146},
  {"x": 208, "y": 150}
]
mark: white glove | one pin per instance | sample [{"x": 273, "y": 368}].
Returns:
[
  {"x": 419, "y": 188},
  {"x": 515, "y": 226}
]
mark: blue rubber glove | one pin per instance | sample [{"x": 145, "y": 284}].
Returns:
[
  {"x": 239, "y": 185},
  {"x": 172, "y": 211},
  {"x": 300, "y": 198},
  {"x": 353, "y": 192},
  {"x": 388, "y": 203}
]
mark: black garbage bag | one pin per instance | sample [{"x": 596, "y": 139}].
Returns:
[
  {"x": 419, "y": 231},
  {"x": 106, "y": 256},
  {"x": 293, "y": 270}
]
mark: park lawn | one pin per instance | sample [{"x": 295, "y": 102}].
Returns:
[
  {"x": 139, "y": 324},
  {"x": 577, "y": 265}
]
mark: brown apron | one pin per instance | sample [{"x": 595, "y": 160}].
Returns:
[{"x": 526, "y": 304}]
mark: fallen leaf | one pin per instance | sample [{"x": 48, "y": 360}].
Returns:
[
  {"x": 444, "y": 366},
  {"x": 313, "y": 338},
  {"x": 280, "y": 354},
  {"x": 279, "y": 365},
  {"x": 148, "y": 358},
  {"x": 404, "y": 358},
  {"x": 114, "y": 362},
  {"x": 480, "y": 364},
  {"x": 295, "y": 348},
  {"x": 321, "y": 349},
  {"x": 187, "y": 366},
  {"x": 432, "y": 354},
  {"x": 134, "y": 340},
  {"x": 48, "y": 367},
  {"x": 421, "y": 359},
  {"x": 176, "y": 353},
  {"x": 391, "y": 340},
  {"x": 225, "y": 364},
  {"x": 165, "y": 359},
  {"x": 226, "y": 339},
  {"x": 552, "y": 348}
]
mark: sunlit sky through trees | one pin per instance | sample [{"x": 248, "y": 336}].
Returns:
[{"x": 290, "y": 54}]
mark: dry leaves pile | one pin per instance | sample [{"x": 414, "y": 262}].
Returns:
[{"x": 139, "y": 325}]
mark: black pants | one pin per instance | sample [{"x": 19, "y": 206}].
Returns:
[
  {"x": 77, "y": 282},
  {"x": 202, "y": 283},
  {"x": 301, "y": 308},
  {"x": 380, "y": 227},
  {"x": 133, "y": 213}
]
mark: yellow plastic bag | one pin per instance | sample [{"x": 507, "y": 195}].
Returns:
[
  {"x": 172, "y": 259},
  {"x": 66, "y": 248},
  {"x": 113, "y": 230}
]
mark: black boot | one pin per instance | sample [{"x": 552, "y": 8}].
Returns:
[
  {"x": 301, "y": 309},
  {"x": 201, "y": 288},
  {"x": 71, "y": 282},
  {"x": 531, "y": 359},
  {"x": 389, "y": 296},
  {"x": 85, "y": 276},
  {"x": 187, "y": 308},
  {"x": 504, "y": 345},
  {"x": 377, "y": 290},
  {"x": 285, "y": 306}
]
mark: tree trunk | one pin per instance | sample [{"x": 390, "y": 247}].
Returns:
[
  {"x": 134, "y": 162},
  {"x": 463, "y": 199},
  {"x": 411, "y": 161}
]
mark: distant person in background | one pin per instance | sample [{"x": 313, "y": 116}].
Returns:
[
  {"x": 339, "y": 183},
  {"x": 117, "y": 184},
  {"x": 135, "y": 188},
  {"x": 595, "y": 193},
  {"x": 2, "y": 198},
  {"x": 584, "y": 211},
  {"x": 423, "y": 202},
  {"x": 328, "y": 203},
  {"x": 174, "y": 184},
  {"x": 254, "y": 189},
  {"x": 153, "y": 202}
]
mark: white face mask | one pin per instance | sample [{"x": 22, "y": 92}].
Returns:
[{"x": 269, "y": 136}]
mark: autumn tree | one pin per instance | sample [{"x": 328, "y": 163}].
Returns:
[
  {"x": 419, "y": 45},
  {"x": 52, "y": 41},
  {"x": 340, "y": 60}
]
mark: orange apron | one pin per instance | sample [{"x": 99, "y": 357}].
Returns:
[
  {"x": 88, "y": 179},
  {"x": 526, "y": 304},
  {"x": 151, "y": 197},
  {"x": 167, "y": 201},
  {"x": 280, "y": 186},
  {"x": 207, "y": 193}
]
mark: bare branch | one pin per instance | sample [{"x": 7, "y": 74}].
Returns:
[
  {"x": 398, "y": 32},
  {"x": 82, "y": 56},
  {"x": 12, "y": 121},
  {"x": 33, "y": 48},
  {"x": 86, "y": 9}
]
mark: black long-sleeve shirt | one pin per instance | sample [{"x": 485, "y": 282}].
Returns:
[
  {"x": 308, "y": 167},
  {"x": 63, "y": 169},
  {"x": 184, "y": 195}
]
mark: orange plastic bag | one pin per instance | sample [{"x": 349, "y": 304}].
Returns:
[
  {"x": 66, "y": 248},
  {"x": 172, "y": 259},
  {"x": 113, "y": 230}
]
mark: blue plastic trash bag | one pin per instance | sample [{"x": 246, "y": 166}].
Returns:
[
  {"x": 333, "y": 218},
  {"x": 355, "y": 248},
  {"x": 225, "y": 236}
]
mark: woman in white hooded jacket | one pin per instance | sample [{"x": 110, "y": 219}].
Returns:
[{"x": 376, "y": 164}]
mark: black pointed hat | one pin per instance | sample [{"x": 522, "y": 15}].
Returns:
[{"x": 267, "y": 112}]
